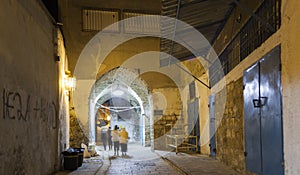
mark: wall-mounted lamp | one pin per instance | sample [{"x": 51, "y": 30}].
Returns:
[{"x": 70, "y": 83}]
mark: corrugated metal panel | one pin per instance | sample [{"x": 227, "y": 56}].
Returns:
[
  {"x": 96, "y": 20},
  {"x": 204, "y": 15},
  {"x": 143, "y": 25}
]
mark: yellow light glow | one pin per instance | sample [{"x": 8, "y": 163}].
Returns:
[{"x": 70, "y": 83}]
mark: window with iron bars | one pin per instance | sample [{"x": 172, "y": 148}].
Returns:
[{"x": 265, "y": 22}]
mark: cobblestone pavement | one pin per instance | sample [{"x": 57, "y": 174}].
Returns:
[
  {"x": 125, "y": 166},
  {"x": 195, "y": 164},
  {"x": 142, "y": 161},
  {"x": 139, "y": 161}
]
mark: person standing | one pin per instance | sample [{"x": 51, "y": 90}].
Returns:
[
  {"x": 115, "y": 136},
  {"x": 104, "y": 137},
  {"x": 109, "y": 138},
  {"x": 124, "y": 141}
]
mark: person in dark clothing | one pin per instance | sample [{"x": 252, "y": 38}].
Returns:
[
  {"x": 104, "y": 137},
  {"x": 116, "y": 139},
  {"x": 109, "y": 138}
]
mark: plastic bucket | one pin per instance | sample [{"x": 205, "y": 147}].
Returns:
[
  {"x": 80, "y": 155},
  {"x": 70, "y": 160}
]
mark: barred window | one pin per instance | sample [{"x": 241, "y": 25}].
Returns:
[
  {"x": 96, "y": 20},
  {"x": 265, "y": 22}
]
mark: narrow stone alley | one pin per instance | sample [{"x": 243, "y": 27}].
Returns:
[{"x": 195, "y": 87}]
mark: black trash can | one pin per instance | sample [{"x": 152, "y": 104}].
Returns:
[
  {"x": 80, "y": 155},
  {"x": 70, "y": 160}
]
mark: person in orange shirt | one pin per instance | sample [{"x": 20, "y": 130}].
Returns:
[{"x": 124, "y": 141}]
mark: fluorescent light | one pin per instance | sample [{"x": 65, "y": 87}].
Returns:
[{"x": 118, "y": 92}]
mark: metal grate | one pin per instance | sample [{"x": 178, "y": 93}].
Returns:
[
  {"x": 192, "y": 90},
  {"x": 143, "y": 25},
  {"x": 158, "y": 112},
  {"x": 265, "y": 22},
  {"x": 96, "y": 20}
]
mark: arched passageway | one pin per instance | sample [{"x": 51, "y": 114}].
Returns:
[{"x": 121, "y": 98}]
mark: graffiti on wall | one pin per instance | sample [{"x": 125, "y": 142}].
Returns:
[{"x": 23, "y": 107}]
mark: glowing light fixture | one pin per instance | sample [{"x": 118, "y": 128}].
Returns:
[
  {"x": 70, "y": 83},
  {"x": 117, "y": 92}
]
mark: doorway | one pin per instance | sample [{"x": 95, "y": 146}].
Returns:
[
  {"x": 212, "y": 127},
  {"x": 193, "y": 122},
  {"x": 263, "y": 115}
]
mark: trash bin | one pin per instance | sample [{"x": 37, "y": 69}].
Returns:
[
  {"x": 80, "y": 155},
  {"x": 70, "y": 160}
]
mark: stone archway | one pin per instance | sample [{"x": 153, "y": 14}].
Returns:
[{"x": 134, "y": 91}]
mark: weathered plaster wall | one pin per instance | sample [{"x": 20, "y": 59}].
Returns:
[
  {"x": 64, "y": 127},
  {"x": 290, "y": 43},
  {"x": 29, "y": 86},
  {"x": 288, "y": 36}
]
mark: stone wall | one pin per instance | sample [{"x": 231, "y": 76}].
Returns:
[
  {"x": 77, "y": 134},
  {"x": 230, "y": 130},
  {"x": 171, "y": 106},
  {"x": 162, "y": 127},
  {"x": 29, "y": 85},
  {"x": 64, "y": 116},
  {"x": 291, "y": 84}
]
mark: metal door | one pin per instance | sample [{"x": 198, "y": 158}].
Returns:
[
  {"x": 193, "y": 119},
  {"x": 252, "y": 120},
  {"x": 271, "y": 115},
  {"x": 212, "y": 128},
  {"x": 263, "y": 116}
]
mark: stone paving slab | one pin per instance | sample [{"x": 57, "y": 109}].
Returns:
[
  {"x": 139, "y": 161},
  {"x": 198, "y": 165}
]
